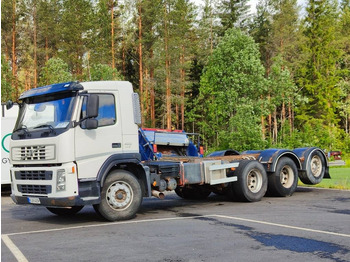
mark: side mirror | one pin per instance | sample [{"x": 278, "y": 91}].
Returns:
[
  {"x": 9, "y": 104},
  {"x": 91, "y": 124},
  {"x": 92, "y": 106}
]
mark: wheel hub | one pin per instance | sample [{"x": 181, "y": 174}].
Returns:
[
  {"x": 119, "y": 195},
  {"x": 316, "y": 166},
  {"x": 287, "y": 176},
  {"x": 254, "y": 180}
]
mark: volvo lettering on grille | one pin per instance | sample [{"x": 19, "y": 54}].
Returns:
[{"x": 45, "y": 152}]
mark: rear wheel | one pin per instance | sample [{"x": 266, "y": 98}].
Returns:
[
  {"x": 121, "y": 196},
  {"x": 285, "y": 180},
  {"x": 251, "y": 184},
  {"x": 194, "y": 192},
  {"x": 315, "y": 169},
  {"x": 69, "y": 211}
]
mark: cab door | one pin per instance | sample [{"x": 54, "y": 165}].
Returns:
[{"x": 94, "y": 147}]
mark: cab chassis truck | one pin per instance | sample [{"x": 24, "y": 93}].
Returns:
[{"x": 77, "y": 144}]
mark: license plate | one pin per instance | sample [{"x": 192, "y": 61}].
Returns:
[{"x": 33, "y": 200}]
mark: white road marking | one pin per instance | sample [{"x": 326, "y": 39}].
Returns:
[
  {"x": 107, "y": 224},
  {"x": 285, "y": 226},
  {"x": 21, "y": 258},
  {"x": 181, "y": 218},
  {"x": 14, "y": 249}
]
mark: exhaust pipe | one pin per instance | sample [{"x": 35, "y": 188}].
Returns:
[{"x": 158, "y": 194}]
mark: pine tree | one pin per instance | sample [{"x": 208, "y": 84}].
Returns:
[
  {"x": 344, "y": 38},
  {"x": 320, "y": 75},
  {"x": 75, "y": 34},
  {"x": 233, "y": 13}
]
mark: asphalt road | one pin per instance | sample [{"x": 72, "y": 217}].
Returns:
[{"x": 312, "y": 225}]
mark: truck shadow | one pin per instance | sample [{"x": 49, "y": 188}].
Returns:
[{"x": 151, "y": 208}]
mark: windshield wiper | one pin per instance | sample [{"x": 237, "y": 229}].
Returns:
[
  {"x": 44, "y": 125},
  {"x": 52, "y": 130},
  {"x": 24, "y": 129}
]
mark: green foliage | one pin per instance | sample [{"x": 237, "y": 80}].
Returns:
[
  {"x": 55, "y": 71},
  {"x": 320, "y": 73},
  {"x": 104, "y": 72},
  {"x": 75, "y": 32},
  {"x": 230, "y": 91}
]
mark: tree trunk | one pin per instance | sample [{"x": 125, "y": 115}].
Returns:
[
  {"x": 147, "y": 95},
  {"x": 14, "y": 58},
  {"x": 167, "y": 71},
  {"x": 290, "y": 117},
  {"x": 46, "y": 49},
  {"x": 177, "y": 115},
  {"x": 182, "y": 73},
  {"x": 140, "y": 65},
  {"x": 112, "y": 33},
  {"x": 35, "y": 47},
  {"x": 275, "y": 127},
  {"x": 152, "y": 92},
  {"x": 123, "y": 58},
  {"x": 263, "y": 128}
]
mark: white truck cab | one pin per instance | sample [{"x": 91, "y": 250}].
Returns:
[{"x": 68, "y": 136}]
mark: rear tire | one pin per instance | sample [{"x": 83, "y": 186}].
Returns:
[
  {"x": 121, "y": 196},
  {"x": 284, "y": 181},
  {"x": 65, "y": 211},
  {"x": 251, "y": 184},
  {"x": 315, "y": 169}
]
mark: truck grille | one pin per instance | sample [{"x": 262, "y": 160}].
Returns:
[
  {"x": 30, "y": 153},
  {"x": 33, "y": 175},
  {"x": 34, "y": 189}
]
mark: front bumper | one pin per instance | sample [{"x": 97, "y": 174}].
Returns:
[{"x": 55, "y": 202}]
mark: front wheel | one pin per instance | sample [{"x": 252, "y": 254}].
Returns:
[
  {"x": 251, "y": 184},
  {"x": 69, "y": 211},
  {"x": 121, "y": 196}
]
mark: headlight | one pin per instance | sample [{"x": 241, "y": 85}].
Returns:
[{"x": 61, "y": 180}]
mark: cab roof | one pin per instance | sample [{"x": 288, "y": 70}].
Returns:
[{"x": 51, "y": 89}]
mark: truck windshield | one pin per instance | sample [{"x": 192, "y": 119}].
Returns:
[{"x": 45, "y": 112}]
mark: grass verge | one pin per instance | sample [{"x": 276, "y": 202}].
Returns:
[{"x": 340, "y": 179}]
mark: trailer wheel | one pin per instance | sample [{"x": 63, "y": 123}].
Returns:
[
  {"x": 251, "y": 184},
  {"x": 121, "y": 196},
  {"x": 285, "y": 180},
  {"x": 315, "y": 169},
  {"x": 193, "y": 192},
  {"x": 65, "y": 211}
]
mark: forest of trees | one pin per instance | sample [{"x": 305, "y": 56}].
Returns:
[{"x": 279, "y": 77}]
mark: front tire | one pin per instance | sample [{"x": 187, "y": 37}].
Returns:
[
  {"x": 251, "y": 184},
  {"x": 121, "y": 196},
  {"x": 284, "y": 181}
]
